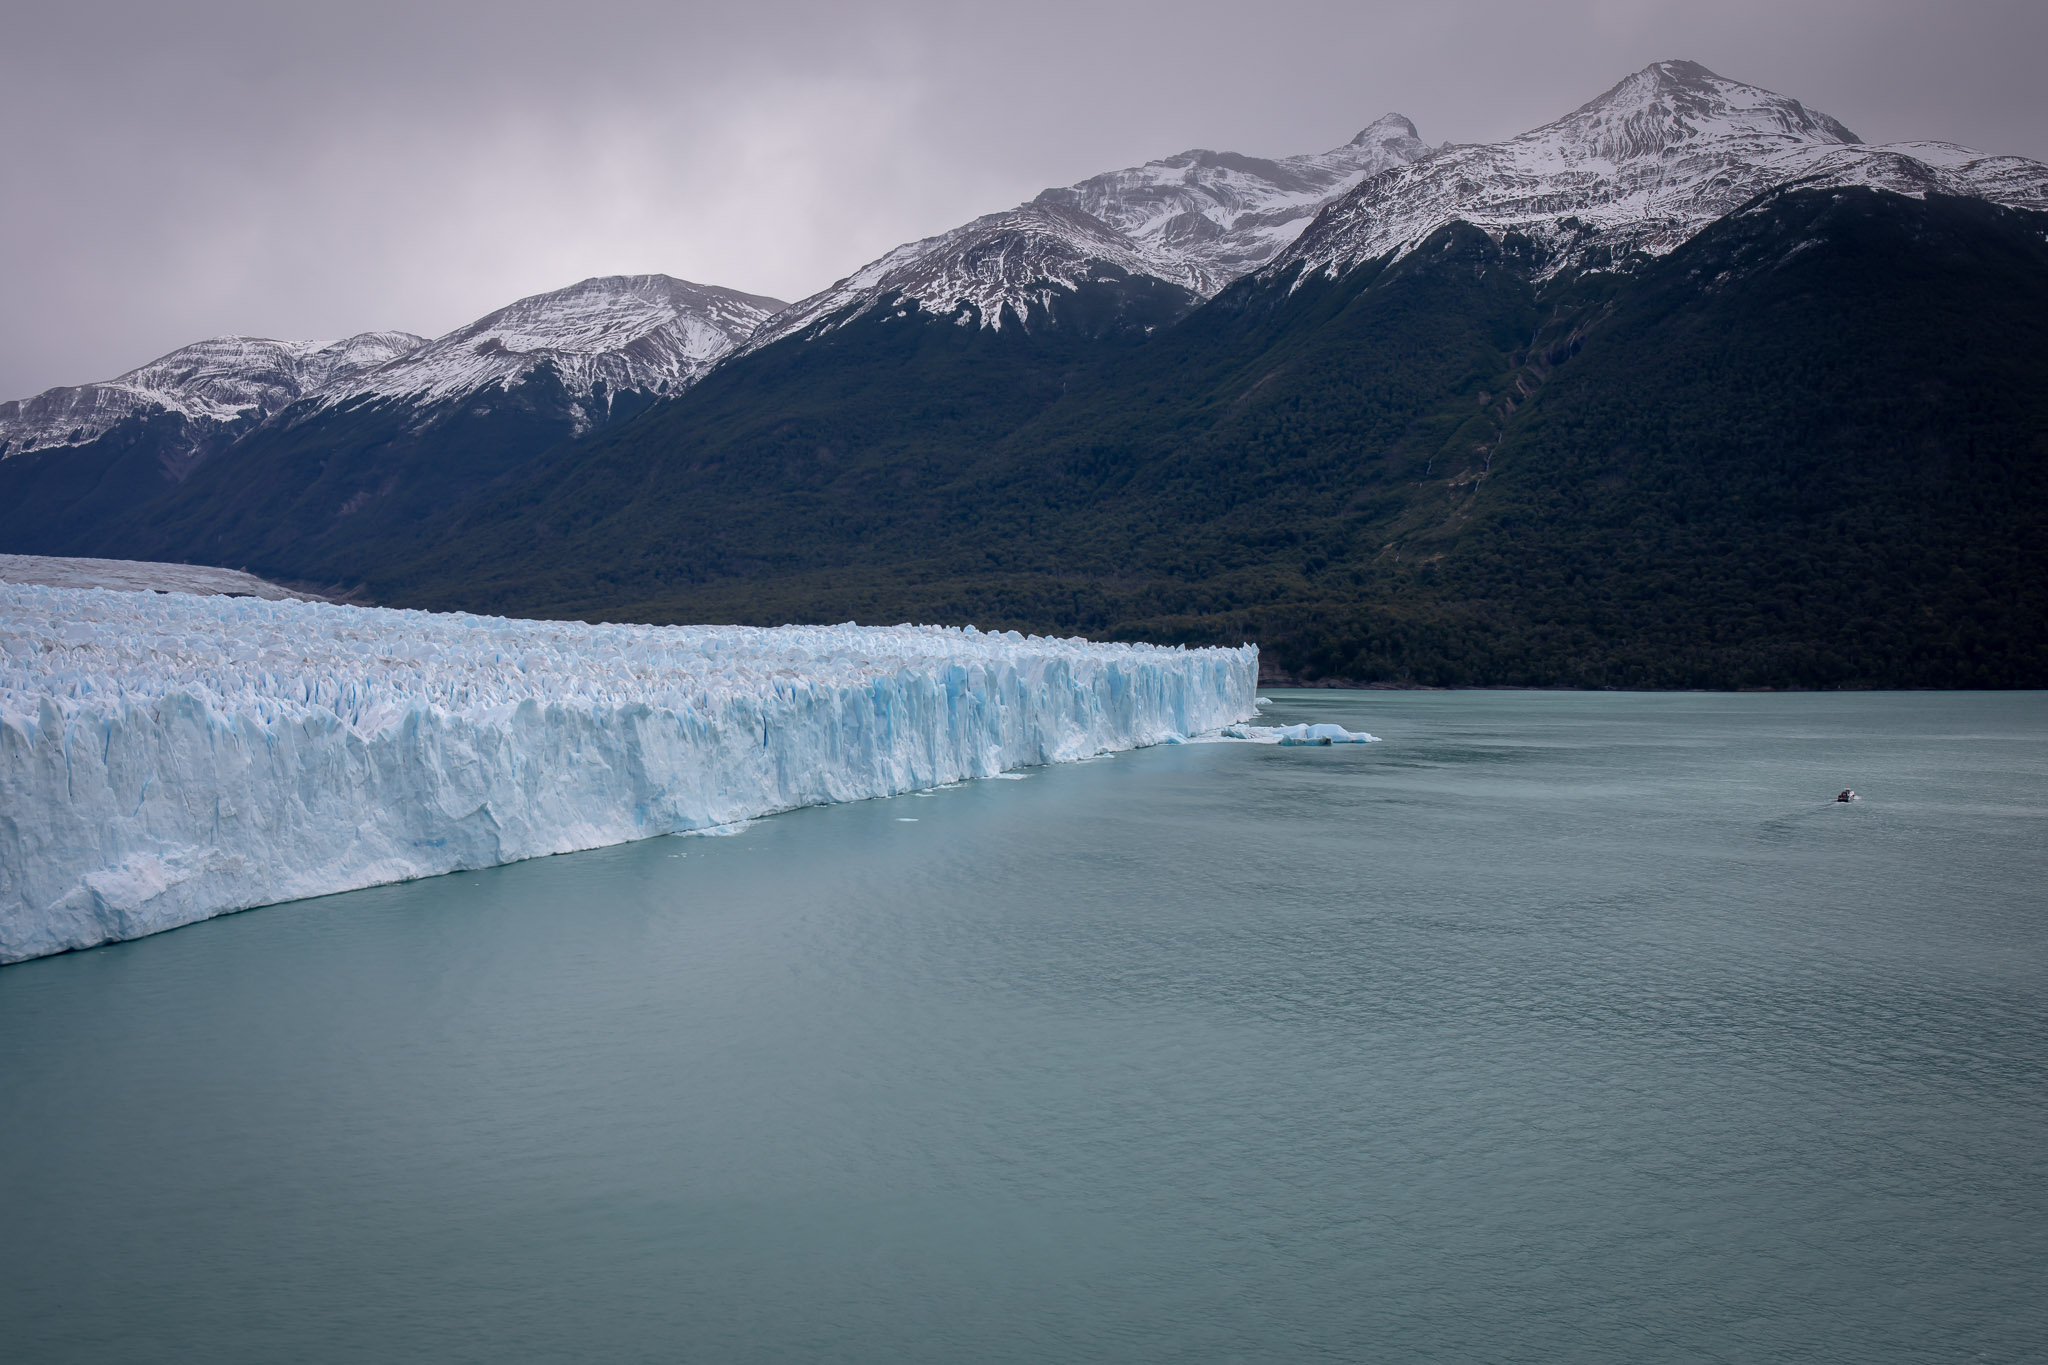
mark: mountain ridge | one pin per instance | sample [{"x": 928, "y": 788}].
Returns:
[
  {"x": 1568, "y": 409},
  {"x": 1639, "y": 170},
  {"x": 1193, "y": 221},
  {"x": 652, "y": 334},
  {"x": 643, "y": 333},
  {"x": 211, "y": 384},
  {"x": 1634, "y": 171}
]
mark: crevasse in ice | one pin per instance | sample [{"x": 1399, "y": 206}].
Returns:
[{"x": 164, "y": 758}]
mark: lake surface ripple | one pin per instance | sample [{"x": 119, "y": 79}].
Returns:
[{"x": 1574, "y": 1027}]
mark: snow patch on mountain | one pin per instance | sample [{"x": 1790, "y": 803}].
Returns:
[
  {"x": 1640, "y": 169},
  {"x": 1001, "y": 266},
  {"x": 1195, "y": 221},
  {"x": 212, "y": 385},
  {"x": 1215, "y": 215},
  {"x": 601, "y": 337}
]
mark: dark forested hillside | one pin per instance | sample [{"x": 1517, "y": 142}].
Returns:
[
  {"x": 318, "y": 494},
  {"x": 1809, "y": 448},
  {"x": 65, "y": 499},
  {"x": 1805, "y": 450}
]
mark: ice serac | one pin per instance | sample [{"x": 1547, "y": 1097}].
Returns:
[
  {"x": 1643, "y": 168},
  {"x": 167, "y": 758},
  {"x": 1189, "y": 223}
]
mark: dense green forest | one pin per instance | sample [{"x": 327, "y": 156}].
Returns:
[{"x": 318, "y": 495}]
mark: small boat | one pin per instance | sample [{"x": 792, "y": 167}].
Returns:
[{"x": 1848, "y": 795}]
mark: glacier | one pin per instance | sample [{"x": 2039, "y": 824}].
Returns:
[
  {"x": 55, "y": 571},
  {"x": 165, "y": 758}
]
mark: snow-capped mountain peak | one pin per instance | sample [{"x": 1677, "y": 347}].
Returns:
[
  {"x": 1195, "y": 221},
  {"x": 626, "y": 333},
  {"x": 1669, "y": 106},
  {"x": 1387, "y": 129},
  {"x": 1214, "y": 215},
  {"x": 619, "y": 333},
  {"x": 1639, "y": 169},
  {"x": 1001, "y": 264},
  {"x": 212, "y": 385}
]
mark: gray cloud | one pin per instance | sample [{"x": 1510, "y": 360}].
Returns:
[{"x": 179, "y": 170}]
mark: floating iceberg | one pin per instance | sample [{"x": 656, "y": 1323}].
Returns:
[
  {"x": 166, "y": 758},
  {"x": 1298, "y": 734}
]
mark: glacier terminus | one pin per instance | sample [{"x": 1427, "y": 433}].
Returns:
[{"x": 165, "y": 758}]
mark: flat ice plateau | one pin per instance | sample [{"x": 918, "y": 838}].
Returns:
[
  {"x": 138, "y": 574},
  {"x": 167, "y": 758}
]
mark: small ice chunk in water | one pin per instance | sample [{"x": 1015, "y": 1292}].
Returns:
[
  {"x": 1298, "y": 735},
  {"x": 1325, "y": 734}
]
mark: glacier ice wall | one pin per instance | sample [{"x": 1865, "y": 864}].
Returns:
[{"x": 166, "y": 758}]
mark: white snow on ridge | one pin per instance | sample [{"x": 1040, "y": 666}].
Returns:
[
  {"x": 1197, "y": 220},
  {"x": 210, "y": 384},
  {"x": 1642, "y": 168},
  {"x": 1018, "y": 258},
  {"x": 612, "y": 334},
  {"x": 164, "y": 759},
  {"x": 1215, "y": 215},
  {"x": 639, "y": 333}
]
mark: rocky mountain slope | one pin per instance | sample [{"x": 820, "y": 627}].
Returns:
[
  {"x": 647, "y": 334},
  {"x": 1215, "y": 215},
  {"x": 240, "y": 444},
  {"x": 1017, "y": 265},
  {"x": 644, "y": 334},
  {"x": 226, "y": 384},
  {"x": 1192, "y": 223}
]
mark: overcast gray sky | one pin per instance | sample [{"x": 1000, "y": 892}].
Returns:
[{"x": 172, "y": 170}]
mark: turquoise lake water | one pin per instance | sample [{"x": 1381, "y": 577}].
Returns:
[{"x": 1558, "y": 1027}]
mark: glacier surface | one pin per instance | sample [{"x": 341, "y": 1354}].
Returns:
[
  {"x": 141, "y": 575},
  {"x": 167, "y": 758}
]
